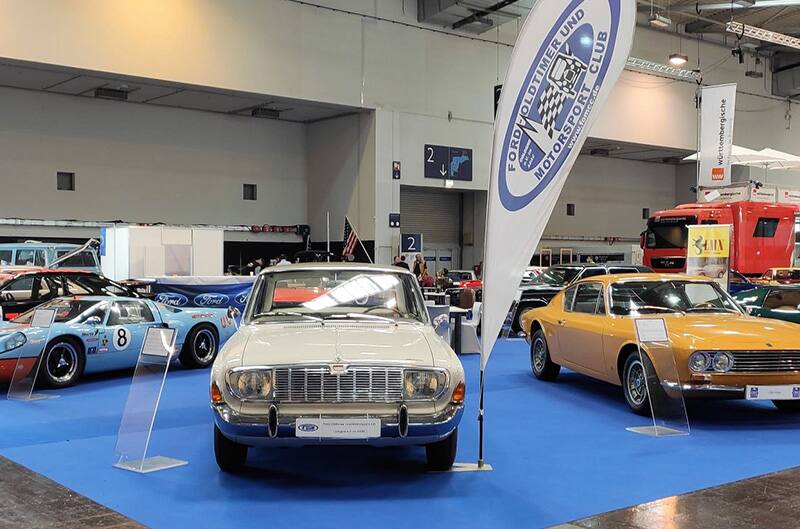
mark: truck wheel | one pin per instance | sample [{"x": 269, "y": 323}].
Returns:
[
  {"x": 442, "y": 454},
  {"x": 200, "y": 347},
  {"x": 230, "y": 455}
]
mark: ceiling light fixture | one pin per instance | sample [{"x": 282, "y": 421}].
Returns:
[
  {"x": 660, "y": 21},
  {"x": 743, "y": 30},
  {"x": 643, "y": 65},
  {"x": 678, "y": 59}
]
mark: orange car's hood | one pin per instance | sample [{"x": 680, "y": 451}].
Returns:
[{"x": 731, "y": 331}]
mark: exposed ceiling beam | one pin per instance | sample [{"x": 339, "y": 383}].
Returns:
[
  {"x": 727, "y": 6},
  {"x": 479, "y": 16}
]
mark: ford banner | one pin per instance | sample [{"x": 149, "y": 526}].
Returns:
[
  {"x": 210, "y": 292},
  {"x": 565, "y": 62}
]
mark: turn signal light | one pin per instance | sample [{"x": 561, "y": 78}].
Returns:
[
  {"x": 458, "y": 393},
  {"x": 216, "y": 394}
]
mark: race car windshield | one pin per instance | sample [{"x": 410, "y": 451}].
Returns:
[
  {"x": 648, "y": 297},
  {"x": 66, "y": 310},
  {"x": 556, "y": 277},
  {"x": 337, "y": 294}
]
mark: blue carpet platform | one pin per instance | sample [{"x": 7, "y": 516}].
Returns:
[{"x": 560, "y": 452}]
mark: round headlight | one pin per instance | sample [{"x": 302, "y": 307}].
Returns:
[
  {"x": 699, "y": 362},
  {"x": 424, "y": 384},
  {"x": 14, "y": 341},
  {"x": 251, "y": 384},
  {"x": 723, "y": 362}
]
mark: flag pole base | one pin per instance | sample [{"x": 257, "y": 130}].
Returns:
[{"x": 470, "y": 467}]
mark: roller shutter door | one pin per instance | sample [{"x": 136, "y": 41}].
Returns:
[{"x": 432, "y": 212}]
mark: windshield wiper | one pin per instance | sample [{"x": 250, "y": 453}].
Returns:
[
  {"x": 359, "y": 316},
  {"x": 289, "y": 313},
  {"x": 711, "y": 309}
]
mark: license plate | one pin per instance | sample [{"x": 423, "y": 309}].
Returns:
[
  {"x": 782, "y": 392},
  {"x": 338, "y": 428}
]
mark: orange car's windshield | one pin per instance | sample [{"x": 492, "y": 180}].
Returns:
[{"x": 638, "y": 297}]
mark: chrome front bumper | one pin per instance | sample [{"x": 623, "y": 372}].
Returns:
[
  {"x": 253, "y": 430},
  {"x": 705, "y": 391}
]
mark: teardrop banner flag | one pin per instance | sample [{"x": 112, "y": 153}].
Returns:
[{"x": 565, "y": 62}]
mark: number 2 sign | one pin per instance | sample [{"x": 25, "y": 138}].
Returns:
[{"x": 410, "y": 242}]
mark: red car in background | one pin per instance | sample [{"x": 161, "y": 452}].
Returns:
[
  {"x": 22, "y": 288},
  {"x": 779, "y": 276}
]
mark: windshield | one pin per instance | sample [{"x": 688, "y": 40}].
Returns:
[
  {"x": 93, "y": 285},
  {"x": 556, "y": 276},
  {"x": 455, "y": 275},
  {"x": 638, "y": 297},
  {"x": 668, "y": 232},
  {"x": 787, "y": 275},
  {"x": 68, "y": 310},
  {"x": 328, "y": 294}
]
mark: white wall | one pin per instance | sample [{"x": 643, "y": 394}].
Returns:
[{"x": 140, "y": 163}]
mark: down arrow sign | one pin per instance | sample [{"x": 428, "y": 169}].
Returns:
[{"x": 443, "y": 171}]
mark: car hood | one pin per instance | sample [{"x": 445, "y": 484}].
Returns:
[
  {"x": 349, "y": 343},
  {"x": 8, "y": 327},
  {"x": 732, "y": 331}
]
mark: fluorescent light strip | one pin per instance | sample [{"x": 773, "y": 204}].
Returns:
[
  {"x": 763, "y": 34},
  {"x": 643, "y": 65}
]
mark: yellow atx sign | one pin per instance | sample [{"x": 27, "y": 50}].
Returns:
[{"x": 710, "y": 241}]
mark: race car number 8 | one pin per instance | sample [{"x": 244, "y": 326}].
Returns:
[{"x": 122, "y": 338}]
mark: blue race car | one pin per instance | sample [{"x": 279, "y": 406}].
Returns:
[{"x": 104, "y": 333}]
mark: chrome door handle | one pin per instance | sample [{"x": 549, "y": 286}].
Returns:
[{"x": 562, "y": 322}]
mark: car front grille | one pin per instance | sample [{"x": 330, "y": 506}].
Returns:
[
  {"x": 357, "y": 384},
  {"x": 765, "y": 361}
]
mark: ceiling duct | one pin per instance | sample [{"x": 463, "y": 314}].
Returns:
[
  {"x": 786, "y": 74},
  {"x": 471, "y": 16}
]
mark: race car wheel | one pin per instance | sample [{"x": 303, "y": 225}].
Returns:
[
  {"x": 639, "y": 376},
  {"x": 442, "y": 454},
  {"x": 62, "y": 364},
  {"x": 787, "y": 406},
  {"x": 542, "y": 366},
  {"x": 200, "y": 347},
  {"x": 230, "y": 455}
]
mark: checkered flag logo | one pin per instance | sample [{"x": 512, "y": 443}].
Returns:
[{"x": 550, "y": 106}]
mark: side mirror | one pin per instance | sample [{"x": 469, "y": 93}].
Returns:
[
  {"x": 441, "y": 325},
  {"x": 93, "y": 320}
]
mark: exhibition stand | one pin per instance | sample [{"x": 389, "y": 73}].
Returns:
[
  {"x": 26, "y": 369},
  {"x": 144, "y": 395}
]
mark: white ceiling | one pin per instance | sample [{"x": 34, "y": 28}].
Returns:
[{"x": 54, "y": 79}]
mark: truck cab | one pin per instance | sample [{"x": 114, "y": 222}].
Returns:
[
  {"x": 762, "y": 237},
  {"x": 41, "y": 254}
]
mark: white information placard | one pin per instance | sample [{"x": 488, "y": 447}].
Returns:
[
  {"x": 780, "y": 392},
  {"x": 345, "y": 428},
  {"x": 651, "y": 330},
  {"x": 43, "y": 318},
  {"x": 159, "y": 342}
]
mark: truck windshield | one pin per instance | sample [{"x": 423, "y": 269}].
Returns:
[{"x": 668, "y": 232}]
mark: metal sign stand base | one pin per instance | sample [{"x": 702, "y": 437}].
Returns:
[
  {"x": 656, "y": 431},
  {"x": 151, "y": 464}
]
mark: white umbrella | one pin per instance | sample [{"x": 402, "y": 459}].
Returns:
[
  {"x": 741, "y": 156},
  {"x": 787, "y": 160}
]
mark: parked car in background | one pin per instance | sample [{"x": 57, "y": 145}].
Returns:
[
  {"x": 719, "y": 351},
  {"x": 104, "y": 333},
  {"x": 781, "y": 302},
  {"x": 739, "y": 282},
  {"x": 22, "y": 289},
  {"x": 531, "y": 273},
  {"x": 35, "y": 253},
  {"x": 554, "y": 279},
  {"x": 458, "y": 280},
  {"x": 334, "y": 353},
  {"x": 779, "y": 276}
]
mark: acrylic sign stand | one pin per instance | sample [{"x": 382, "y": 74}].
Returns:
[{"x": 23, "y": 379}]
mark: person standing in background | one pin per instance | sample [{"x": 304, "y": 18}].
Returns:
[
  {"x": 400, "y": 261},
  {"x": 282, "y": 260},
  {"x": 420, "y": 268}
]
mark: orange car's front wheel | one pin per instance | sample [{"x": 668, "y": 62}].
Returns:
[{"x": 542, "y": 366}]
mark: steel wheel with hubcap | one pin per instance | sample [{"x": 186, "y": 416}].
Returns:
[
  {"x": 639, "y": 376},
  {"x": 542, "y": 366},
  {"x": 62, "y": 364}
]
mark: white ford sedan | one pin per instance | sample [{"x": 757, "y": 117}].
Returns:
[{"x": 333, "y": 353}]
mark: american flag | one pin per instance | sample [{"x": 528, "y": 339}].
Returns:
[{"x": 350, "y": 238}]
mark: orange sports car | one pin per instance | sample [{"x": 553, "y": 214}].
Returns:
[{"x": 719, "y": 351}]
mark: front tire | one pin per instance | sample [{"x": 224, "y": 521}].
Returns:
[
  {"x": 200, "y": 348},
  {"x": 230, "y": 455},
  {"x": 62, "y": 364},
  {"x": 787, "y": 406},
  {"x": 639, "y": 376},
  {"x": 442, "y": 454},
  {"x": 542, "y": 366}
]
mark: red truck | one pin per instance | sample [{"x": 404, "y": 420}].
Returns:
[{"x": 763, "y": 235}]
